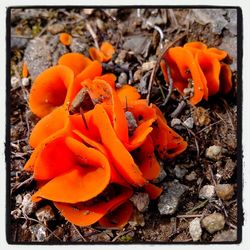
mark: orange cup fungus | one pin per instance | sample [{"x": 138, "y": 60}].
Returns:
[
  {"x": 197, "y": 71},
  {"x": 65, "y": 39},
  {"x": 87, "y": 158}
]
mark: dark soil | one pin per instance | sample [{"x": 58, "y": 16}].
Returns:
[{"x": 136, "y": 35}]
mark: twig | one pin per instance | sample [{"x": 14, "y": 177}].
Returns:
[
  {"x": 159, "y": 30},
  {"x": 46, "y": 27},
  {"x": 170, "y": 84},
  {"x": 156, "y": 67},
  {"x": 26, "y": 217},
  {"x": 76, "y": 229},
  {"x": 197, "y": 207},
  {"x": 21, "y": 184},
  {"x": 93, "y": 34},
  {"x": 121, "y": 234},
  {"x": 189, "y": 216},
  {"x": 178, "y": 110},
  {"x": 231, "y": 225},
  {"x": 208, "y": 127}
]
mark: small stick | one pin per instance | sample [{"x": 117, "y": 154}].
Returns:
[
  {"x": 83, "y": 118},
  {"x": 170, "y": 89},
  {"x": 121, "y": 234},
  {"x": 197, "y": 207},
  {"x": 208, "y": 127},
  {"x": 156, "y": 67},
  {"x": 189, "y": 215},
  {"x": 76, "y": 229},
  {"x": 178, "y": 110},
  {"x": 93, "y": 34},
  {"x": 21, "y": 184}
]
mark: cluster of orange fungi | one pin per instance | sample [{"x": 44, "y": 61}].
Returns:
[
  {"x": 88, "y": 159},
  {"x": 196, "y": 67}
]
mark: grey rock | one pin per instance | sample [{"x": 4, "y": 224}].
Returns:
[
  {"x": 232, "y": 24},
  {"x": 28, "y": 207},
  {"x": 189, "y": 123},
  {"x": 137, "y": 75},
  {"x": 140, "y": 201},
  {"x": 213, "y": 222},
  {"x": 38, "y": 232},
  {"x": 180, "y": 172},
  {"x": 18, "y": 42},
  {"x": 58, "y": 52},
  {"x": 207, "y": 192},
  {"x": 169, "y": 200},
  {"x": 139, "y": 44},
  {"x": 122, "y": 80},
  {"x": 45, "y": 214},
  {"x": 214, "y": 152},
  {"x": 78, "y": 45},
  {"x": 229, "y": 235},
  {"x": 191, "y": 177},
  {"x": 175, "y": 121},
  {"x": 162, "y": 175},
  {"x": 195, "y": 230},
  {"x": 216, "y": 17},
  {"x": 224, "y": 191},
  {"x": 37, "y": 56}
]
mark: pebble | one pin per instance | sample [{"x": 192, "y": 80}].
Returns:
[
  {"x": 45, "y": 214},
  {"x": 38, "y": 232},
  {"x": 201, "y": 117},
  {"x": 180, "y": 172},
  {"x": 28, "y": 207},
  {"x": 88, "y": 11},
  {"x": 56, "y": 28},
  {"x": 162, "y": 175},
  {"x": 14, "y": 81},
  {"x": 18, "y": 42},
  {"x": 214, "y": 152},
  {"x": 191, "y": 177},
  {"x": 169, "y": 201},
  {"x": 224, "y": 191},
  {"x": 189, "y": 123},
  {"x": 195, "y": 230},
  {"x": 213, "y": 222},
  {"x": 19, "y": 199},
  {"x": 137, "y": 219},
  {"x": 25, "y": 81},
  {"x": 175, "y": 121},
  {"x": 228, "y": 235},
  {"x": 101, "y": 237},
  {"x": 147, "y": 66},
  {"x": 140, "y": 201},
  {"x": 207, "y": 192},
  {"x": 37, "y": 56},
  {"x": 100, "y": 24},
  {"x": 121, "y": 57},
  {"x": 122, "y": 80},
  {"x": 137, "y": 75}
]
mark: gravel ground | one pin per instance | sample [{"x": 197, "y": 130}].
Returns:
[{"x": 199, "y": 202}]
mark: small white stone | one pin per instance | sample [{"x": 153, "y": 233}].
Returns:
[
  {"x": 14, "y": 81},
  {"x": 195, "y": 230},
  {"x": 207, "y": 192},
  {"x": 148, "y": 66},
  {"x": 28, "y": 207},
  {"x": 175, "y": 121},
  {"x": 189, "y": 123},
  {"x": 25, "y": 81},
  {"x": 214, "y": 152},
  {"x": 45, "y": 213},
  {"x": 140, "y": 201}
]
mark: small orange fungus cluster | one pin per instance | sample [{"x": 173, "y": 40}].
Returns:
[
  {"x": 88, "y": 156},
  {"x": 198, "y": 68}
]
